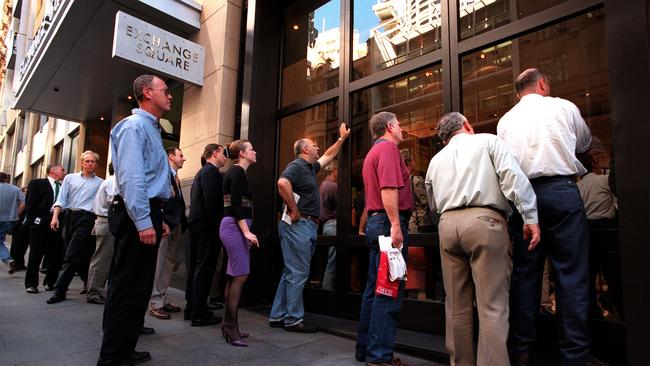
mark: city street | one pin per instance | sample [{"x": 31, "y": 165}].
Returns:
[{"x": 69, "y": 333}]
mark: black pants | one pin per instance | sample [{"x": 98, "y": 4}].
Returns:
[
  {"x": 79, "y": 248},
  {"x": 43, "y": 241},
  {"x": 205, "y": 246},
  {"x": 19, "y": 243},
  {"x": 130, "y": 282}
]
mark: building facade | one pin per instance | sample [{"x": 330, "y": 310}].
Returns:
[{"x": 277, "y": 71}]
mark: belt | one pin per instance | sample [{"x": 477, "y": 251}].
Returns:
[
  {"x": 102, "y": 216},
  {"x": 500, "y": 212},
  {"x": 552, "y": 178},
  {"x": 79, "y": 210},
  {"x": 377, "y": 212},
  {"x": 310, "y": 217},
  {"x": 154, "y": 202}
]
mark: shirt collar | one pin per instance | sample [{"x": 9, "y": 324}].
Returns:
[
  {"x": 143, "y": 113},
  {"x": 531, "y": 96},
  {"x": 51, "y": 180}
]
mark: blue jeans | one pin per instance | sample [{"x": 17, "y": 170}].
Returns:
[
  {"x": 565, "y": 240},
  {"x": 379, "y": 314},
  {"x": 4, "y": 252},
  {"x": 329, "y": 276},
  {"x": 298, "y": 242}
]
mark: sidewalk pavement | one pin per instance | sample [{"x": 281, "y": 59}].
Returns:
[{"x": 69, "y": 333}]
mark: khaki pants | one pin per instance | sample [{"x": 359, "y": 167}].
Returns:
[
  {"x": 164, "y": 267},
  {"x": 100, "y": 263},
  {"x": 476, "y": 261}
]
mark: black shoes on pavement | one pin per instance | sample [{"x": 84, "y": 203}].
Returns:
[{"x": 301, "y": 327}]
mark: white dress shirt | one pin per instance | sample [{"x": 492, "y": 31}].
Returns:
[
  {"x": 104, "y": 196},
  {"x": 544, "y": 135},
  {"x": 478, "y": 170}
]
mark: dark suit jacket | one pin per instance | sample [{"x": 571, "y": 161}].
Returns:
[
  {"x": 206, "y": 198},
  {"x": 38, "y": 202},
  {"x": 174, "y": 209}
]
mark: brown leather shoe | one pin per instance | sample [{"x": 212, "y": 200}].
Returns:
[
  {"x": 395, "y": 362},
  {"x": 159, "y": 314},
  {"x": 596, "y": 362},
  {"x": 168, "y": 307},
  {"x": 520, "y": 359}
]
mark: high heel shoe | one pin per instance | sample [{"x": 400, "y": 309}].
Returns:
[
  {"x": 227, "y": 324},
  {"x": 225, "y": 331}
]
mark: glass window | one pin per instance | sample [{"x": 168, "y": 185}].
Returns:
[
  {"x": 574, "y": 57},
  {"x": 571, "y": 53},
  {"x": 58, "y": 154},
  {"x": 312, "y": 50},
  {"x": 320, "y": 124},
  {"x": 37, "y": 169},
  {"x": 386, "y": 33},
  {"x": 42, "y": 120},
  {"x": 480, "y": 16},
  {"x": 416, "y": 99}
]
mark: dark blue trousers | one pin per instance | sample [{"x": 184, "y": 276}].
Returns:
[{"x": 565, "y": 240}]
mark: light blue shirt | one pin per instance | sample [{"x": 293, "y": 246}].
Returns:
[
  {"x": 141, "y": 167},
  {"x": 10, "y": 198},
  {"x": 78, "y": 192}
]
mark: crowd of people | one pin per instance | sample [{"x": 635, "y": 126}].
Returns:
[{"x": 505, "y": 203}]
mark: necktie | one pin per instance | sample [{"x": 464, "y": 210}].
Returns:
[
  {"x": 57, "y": 186},
  {"x": 178, "y": 187}
]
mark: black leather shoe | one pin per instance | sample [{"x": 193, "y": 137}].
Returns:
[
  {"x": 147, "y": 331},
  {"x": 596, "y": 362},
  {"x": 99, "y": 300},
  {"x": 301, "y": 327},
  {"x": 276, "y": 323},
  {"x": 32, "y": 290},
  {"x": 200, "y": 322},
  {"x": 360, "y": 355},
  {"x": 84, "y": 290},
  {"x": 213, "y": 305},
  {"x": 54, "y": 299},
  {"x": 140, "y": 357},
  {"x": 49, "y": 287}
]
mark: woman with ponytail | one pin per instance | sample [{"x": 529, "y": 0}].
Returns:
[{"x": 236, "y": 235}]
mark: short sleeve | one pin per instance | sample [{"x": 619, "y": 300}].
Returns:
[{"x": 291, "y": 173}]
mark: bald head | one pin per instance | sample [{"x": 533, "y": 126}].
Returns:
[{"x": 532, "y": 81}]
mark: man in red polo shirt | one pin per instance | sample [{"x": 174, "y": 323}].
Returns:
[{"x": 389, "y": 203}]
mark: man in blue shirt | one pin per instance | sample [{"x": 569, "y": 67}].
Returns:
[
  {"x": 12, "y": 203},
  {"x": 142, "y": 185},
  {"x": 76, "y": 197}
]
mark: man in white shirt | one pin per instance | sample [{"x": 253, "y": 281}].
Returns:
[
  {"x": 76, "y": 197},
  {"x": 544, "y": 135},
  {"x": 469, "y": 182},
  {"x": 104, "y": 241}
]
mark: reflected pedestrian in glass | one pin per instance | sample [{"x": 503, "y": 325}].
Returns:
[{"x": 236, "y": 235}]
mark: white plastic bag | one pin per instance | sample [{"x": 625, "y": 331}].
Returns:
[{"x": 396, "y": 263}]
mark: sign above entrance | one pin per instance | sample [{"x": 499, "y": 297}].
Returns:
[{"x": 156, "y": 49}]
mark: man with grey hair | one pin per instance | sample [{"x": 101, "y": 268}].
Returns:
[
  {"x": 544, "y": 135},
  {"x": 469, "y": 182},
  {"x": 77, "y": 195},
  {"x": 389, "y": 203},
  {"x": 298, "y": 238}
]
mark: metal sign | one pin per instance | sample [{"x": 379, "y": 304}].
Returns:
[{"x": 156, "y": 49}]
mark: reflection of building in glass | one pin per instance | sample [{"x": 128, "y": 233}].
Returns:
[
  {"x": 571, "y": 53},
  {"x": 406, "y": 29}
]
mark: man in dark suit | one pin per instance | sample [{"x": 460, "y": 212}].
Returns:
[
  {"x": 206, "y": 211},
  {"x": 41, "y": 195}
]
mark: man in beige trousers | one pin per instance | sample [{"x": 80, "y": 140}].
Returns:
[{"x": 469, "y": 182}]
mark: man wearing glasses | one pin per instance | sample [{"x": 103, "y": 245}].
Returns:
[
  {"x": 298, "y": 235},
  {"x": 142, "y": 185}
]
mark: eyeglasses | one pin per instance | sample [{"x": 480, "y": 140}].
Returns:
[{"x": 165, "y": 91}]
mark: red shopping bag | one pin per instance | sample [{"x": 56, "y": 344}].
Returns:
[{"x": 384, "y": 285}]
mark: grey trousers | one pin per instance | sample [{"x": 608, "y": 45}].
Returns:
[
  {"x": 100, "y": 263},
  {"x": 164, "y": 268},
  {"x": 476, "y": 263}
]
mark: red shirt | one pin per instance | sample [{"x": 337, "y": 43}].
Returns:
[{"x": 383, "y": 167}]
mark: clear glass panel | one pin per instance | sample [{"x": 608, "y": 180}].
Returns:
[
  {"x": 312, "y": 50},
  {"x": 320, "y": 124},
  {"x": 480, "y": 16},
  {"x": 574, "y": 54},
  {"x": 386, "y": 33},
  {"x": 416, "y": 99}
]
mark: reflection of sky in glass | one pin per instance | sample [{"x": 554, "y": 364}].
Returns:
[
  {"x": 364, "y": 18},
  {"x": 329, "y": 14}
]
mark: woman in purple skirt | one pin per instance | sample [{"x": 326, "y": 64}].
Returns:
[{"x": 236, "y": 235}]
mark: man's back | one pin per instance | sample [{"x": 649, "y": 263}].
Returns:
[
  {"x": 206, "y": 197},
  {"x": 10, "y": 197},
  {"x": 544, "y": 133},
  {"x": 39, "y": 199}
]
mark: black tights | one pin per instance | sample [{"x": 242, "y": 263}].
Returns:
[{"x": 232, "y": 294}]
